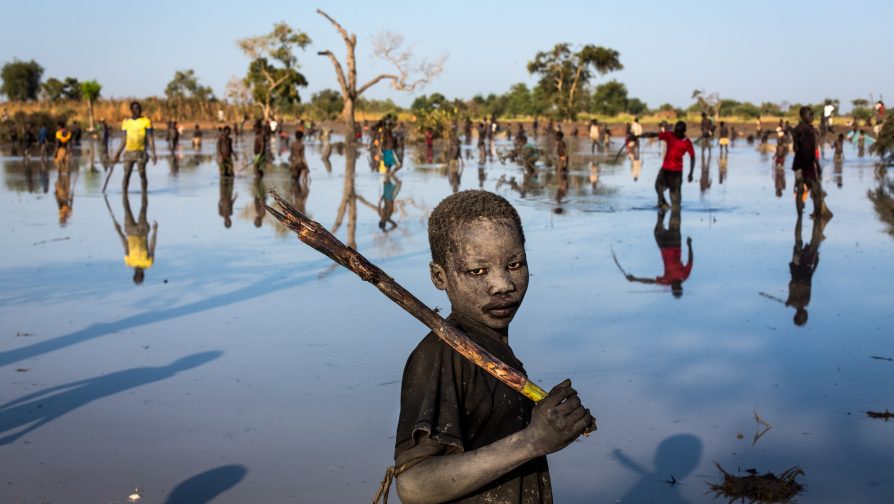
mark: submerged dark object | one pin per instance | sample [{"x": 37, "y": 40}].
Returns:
[
  {"x": 755, "y": 487},
  {"x": 887, "y": 415}
]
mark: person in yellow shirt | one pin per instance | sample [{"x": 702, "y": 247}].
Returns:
[
  {"x": 62, "y": 156},
  {"x": 138, "y": 130},
  {"x": 139, "y": 248}
]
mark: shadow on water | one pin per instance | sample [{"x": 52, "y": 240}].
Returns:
[
  {"x": 676, "y": 457},
  {"x": 271, "y": 283},
  {"x": 34, "y": 410},
  {"x": 268, "y": 284},
  {"x": 206, "y": 486}
]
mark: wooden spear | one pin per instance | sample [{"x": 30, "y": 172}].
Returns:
[{"x": 315, "y": 235}]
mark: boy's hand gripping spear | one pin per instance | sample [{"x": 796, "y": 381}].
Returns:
[{"x": 315, "y": 235}]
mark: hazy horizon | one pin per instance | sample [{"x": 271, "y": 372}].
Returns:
[{"x": 737, "y": 51}]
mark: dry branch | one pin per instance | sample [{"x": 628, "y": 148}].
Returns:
[{"x": 314, "y": 234}]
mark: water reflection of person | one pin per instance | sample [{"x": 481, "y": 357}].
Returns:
[
  {"x": 454, "y": 175},
  {"x": 260, "y": 194},
  {"x": 561, "y": 192},
  {"x": 64, "y": 196},
  {"x": 594, "y": 175},
  {"x": 636, "y": 166},
  {"x": 704, "y": 181},
  {"x": 670, "y": 245},
  {"x": 300, "y": 190},
  {"x": 805, "y": 259},
  {"x": 139, "y": 248},
  {"x": 390, "y": 189},
  {"x": 226, "y": 200},
  {"x": 779, "y": 179}
]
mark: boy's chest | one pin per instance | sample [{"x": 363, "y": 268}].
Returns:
[{"x": 491, "y": 410}]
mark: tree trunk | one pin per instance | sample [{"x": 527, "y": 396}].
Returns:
[
  {"x": 90, "y": 113},
  {"x": 347, "y": 115}
]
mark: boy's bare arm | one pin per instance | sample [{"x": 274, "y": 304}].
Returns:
[
  {"x": 152, "y": 240},
  {"x": 631, "y": 278},
  {"x": 689, "y": 246},
  {"x": 556, "y": 422}
]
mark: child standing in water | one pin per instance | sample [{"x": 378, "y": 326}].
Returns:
[
  {"x": 225, "y": 153},
  {"x": 724, "y": 139},
  {"x": 138, "y": 132},
  {"x": 561, "y": 153},
  {"x": 297, "y": 162},
  {"x": 462, "y": 435},
  {"x": 838, "y": 146},
  {"x": 197, "y": 138},
  {"x": 808, "y": 172},
  {"x": 670, "y": 177},
  {"x": 61, "y": 155}
]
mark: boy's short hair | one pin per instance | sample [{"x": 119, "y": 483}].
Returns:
[{"x": 462, "y": 208}]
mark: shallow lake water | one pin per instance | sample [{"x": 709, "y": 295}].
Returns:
[{"x": 246, "y": 368}]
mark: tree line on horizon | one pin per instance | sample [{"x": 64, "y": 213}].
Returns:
[{"x": 566, "y": 87}]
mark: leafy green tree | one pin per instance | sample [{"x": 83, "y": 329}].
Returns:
[
  {"x": 185, "y": 86},
  {"x": 186, "y": 96},
  {"x": 748, "y": 110},
  {"x": 861, "y": 109},
  {"x": 90, "y": 91},
  {"x": 518, "y": 100},
  {"x": 53, "y": 89},
  {"x": 727, "y": 107},
  {"x": 273, "y": 75},
  {"x": 21, "y": 80},
  {"x": 609, "y": 98},
  {"x": 564, "y": 73},
  {"x": 326, "y": 104},
  {"x": 637, "y": 107},
  {"x": 374, "y": 106},
  {"x": 56, "y": 90},
  {"x": 769, "y": 108},
  {"x": 425, "y": 103}
]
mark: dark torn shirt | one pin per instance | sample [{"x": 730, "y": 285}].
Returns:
[
  {"x": 804, "y": 138},
  {"x": 459, "y": 405}
]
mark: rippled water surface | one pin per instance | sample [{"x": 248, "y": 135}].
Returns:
[{"x": 246, "y": 368}]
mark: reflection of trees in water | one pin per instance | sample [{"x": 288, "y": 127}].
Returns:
[
  {"x": 882, "y": 198},
  {"x": 348, "y": 200}
]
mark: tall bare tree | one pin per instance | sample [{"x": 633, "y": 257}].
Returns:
[{"x": 387, "y": 46}]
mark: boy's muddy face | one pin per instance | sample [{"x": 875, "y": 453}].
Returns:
[{"x": 487, "y": 273}]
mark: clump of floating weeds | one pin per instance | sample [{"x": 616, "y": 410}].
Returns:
[{"x": 755, "y": 487}]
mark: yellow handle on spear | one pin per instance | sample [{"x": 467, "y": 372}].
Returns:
[{"x": 315, "y": 235}]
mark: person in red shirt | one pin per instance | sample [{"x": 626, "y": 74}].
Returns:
[
  {"x": 670, "y": 245},
  {"x": 671, "y": 174}
]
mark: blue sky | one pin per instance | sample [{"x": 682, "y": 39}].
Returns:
[{"x": 762, "y": 51}]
